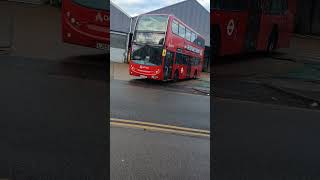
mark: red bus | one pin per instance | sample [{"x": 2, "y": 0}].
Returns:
[
  {"x": 86, "y": 23},
  {"x": 164, "y": 48},
  {"x": 251, "y": 25}
]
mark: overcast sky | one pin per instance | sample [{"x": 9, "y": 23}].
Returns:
[{"x": 136, "y": 7}]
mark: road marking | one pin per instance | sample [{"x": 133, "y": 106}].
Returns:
[{"x": 159, "y": 127}]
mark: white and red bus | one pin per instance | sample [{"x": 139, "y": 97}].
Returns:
[
  {"x": 86, "y": 23},
  {"x": 165, "y": 48},
  {"x": 251, "y": 25}
]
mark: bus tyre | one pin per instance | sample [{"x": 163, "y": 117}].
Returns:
[
  {"x": 176, "y": 76},
  {"x": 272, "y": 44}
]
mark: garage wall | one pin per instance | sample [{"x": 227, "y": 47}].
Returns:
[
  {"x": 118, "y": 47},
  {"x": 119, "y": 20},
  {"x": 119, "y": 30}
]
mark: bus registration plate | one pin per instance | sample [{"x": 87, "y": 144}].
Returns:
[{"x": 143, "y": 76}]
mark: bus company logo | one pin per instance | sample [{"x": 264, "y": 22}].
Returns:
[
  {"x": 143, "y": 67},
  {"x": 230, "y": 27},
  {"x": 101, "y": 18}
]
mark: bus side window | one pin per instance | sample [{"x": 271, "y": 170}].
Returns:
[
  {"x": 284, "y": 6},
  {"x": 174, "y": 27},
  {"x": 187, "y": 61},
  {"x": 193, "y": 37},
  {"x": 178, "y": 58},
  {"x": 217, "y": 4},
  {"x": 182, "y": 31},
  {"x": 276, "y": 6},
  {"x": 183, "y": 59},
  {"x": 188, "y": 34},
  {"x": 266, "y": 7}
]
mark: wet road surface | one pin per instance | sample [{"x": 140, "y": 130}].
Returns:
[
  {"x": 137, "y": 154},
  {"x": 159, "y": 105}
]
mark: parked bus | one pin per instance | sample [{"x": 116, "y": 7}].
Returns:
[
  {"x": 86, "y": 23},
  {"x": 251, "y": 25},
  {"x": 165, "y": 48}
]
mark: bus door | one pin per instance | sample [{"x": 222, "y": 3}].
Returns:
[
  {"x": 188, "y": 59},
  {"x": 253, "y": 24},
  {"x": 168, "y": 63}
]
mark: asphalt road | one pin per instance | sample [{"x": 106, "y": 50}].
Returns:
[
  {"x": 140, "y": 155},
  {"x": 266, "y": 142},
  {"x": 53, "y": 124},
  {"x": 159, "y": 105}
]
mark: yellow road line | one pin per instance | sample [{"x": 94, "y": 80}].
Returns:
[
  {"x": 158, "y": 129},
  {"x": 160, "y": 125}
]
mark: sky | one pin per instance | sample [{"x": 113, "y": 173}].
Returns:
[{"x": 136, "y": 7}]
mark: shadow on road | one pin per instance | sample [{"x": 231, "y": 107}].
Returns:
[{"x": 90, "y": 59}]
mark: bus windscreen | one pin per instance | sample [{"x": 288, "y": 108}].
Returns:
[
  {"x": 95, "y": 4},
  {"x": 152, "y": 23}
]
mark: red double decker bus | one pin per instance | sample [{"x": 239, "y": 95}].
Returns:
[
  {"x": 164, "y": 48},
  {"x": 251, "y": 25},
  {"x": 86, "y": 23}
]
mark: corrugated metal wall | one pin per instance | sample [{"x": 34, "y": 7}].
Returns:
[
  {"x": 119, "y": 30},
  {"x": 119, "y": 21}
]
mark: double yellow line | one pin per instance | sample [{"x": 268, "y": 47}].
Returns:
[{"x": 159, "y": 127}]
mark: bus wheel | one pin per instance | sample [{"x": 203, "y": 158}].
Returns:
[
  {"x": 272, "y": 44},
  {"x": 176, "y": 76}
]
